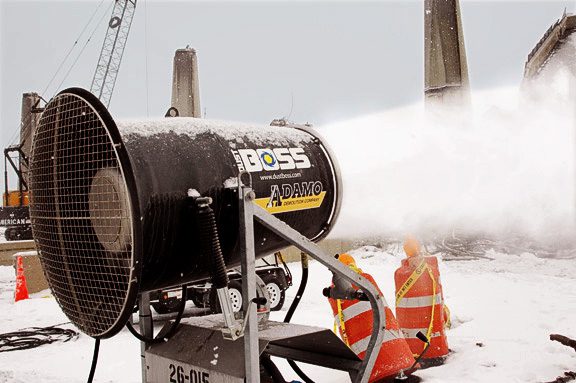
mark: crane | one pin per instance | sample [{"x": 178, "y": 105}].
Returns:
[
  {"x": 112, "y": 50},
  {"x": 14, "y": 214}
]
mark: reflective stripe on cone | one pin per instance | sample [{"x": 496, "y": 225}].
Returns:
[
  {"x": 359, "y": 308},
  {"x": 356, "y": 309},
  {"x": 362, "y": 345},
  {"x": 412, "y": 302}
]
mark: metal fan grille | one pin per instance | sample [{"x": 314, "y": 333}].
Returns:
[{"x": 82, "y": 227}]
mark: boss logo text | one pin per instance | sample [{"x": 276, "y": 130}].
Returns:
[{"x": 257, "y": 160}]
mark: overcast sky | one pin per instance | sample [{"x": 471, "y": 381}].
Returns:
[{"x": 325, "y": 61}]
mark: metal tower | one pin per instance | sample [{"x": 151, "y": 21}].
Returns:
[{"x": 112, "y": 50}]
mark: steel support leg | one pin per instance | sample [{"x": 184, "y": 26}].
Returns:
[
  {"x": 304, "y": 244},
  {"x": 145, "y": 323},
  {"x": 251, "y": 349}
]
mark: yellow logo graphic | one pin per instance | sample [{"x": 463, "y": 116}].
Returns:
[{"x": 293, "y": 197}]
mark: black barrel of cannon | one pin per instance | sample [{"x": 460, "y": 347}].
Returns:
[{"x": 112, "y": 202}]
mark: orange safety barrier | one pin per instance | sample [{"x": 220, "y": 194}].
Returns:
[
  {"x": 21, "y": 290},
  {"x": 354, "y": 321},
  {"x": 420, "y": 304}
]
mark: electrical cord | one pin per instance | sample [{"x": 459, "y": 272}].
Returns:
[
  {"x": 301, "y": 288},
  {"x": 33, "y": 337},
  {"x": 293, "y": 306},
  {"x": 94, "y": 360},
  {"x": 269, "y": 368},
  {"x": 72, "y": 47},
  {"x": 168, "y": 334},
  {"x": 85, "y": 44}
]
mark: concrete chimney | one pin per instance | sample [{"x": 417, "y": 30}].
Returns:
[
  {"x": 29, "y": 119},
  {"x": 446, "y": 68},
  {"x": 185, "y": 85}
]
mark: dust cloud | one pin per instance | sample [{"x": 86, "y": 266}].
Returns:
[{"x": 504, "y": 165}]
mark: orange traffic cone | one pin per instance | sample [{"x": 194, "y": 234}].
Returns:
[{"x": 21, "y": 291}]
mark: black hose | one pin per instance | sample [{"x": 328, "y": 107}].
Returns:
[
  {"x": 299, "y": 372},
  {"x": 271, "y": 370},
  {"x": 163, "y": 337},
  {"x": 210, "y": 243},
  {"x": 94, "y": 360},
  {"x": 301, "y": 288},
  {"x": 293, "y": 306},
  {"x": 424, "y": 339}
]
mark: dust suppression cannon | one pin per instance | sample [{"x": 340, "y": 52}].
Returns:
[{"x": 122, "y": 208}]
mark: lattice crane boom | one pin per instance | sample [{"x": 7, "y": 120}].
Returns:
[{"x": 112, "y": 50}]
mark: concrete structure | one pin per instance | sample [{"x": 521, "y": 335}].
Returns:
[
  {"x": 35, "y": 280},
  {"x": 445, "y": 65},
  {"x": 552, "y": 42},
  {"x": 552, "y": 62},
  {"x": 29, "y": 121},
  {"x": 8, "y": 249},
  {"x": 185, "y": 85}
]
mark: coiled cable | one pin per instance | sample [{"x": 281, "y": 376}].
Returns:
[{"x": 33, "y": 337}]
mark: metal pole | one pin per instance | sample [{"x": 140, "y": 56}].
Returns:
[
  {"x": 304, "y": 244},
  {"x": 20, "y": 194},
  {"x": 5, "y": 202},
  {"x": 145, "y": 323},
  {"x": 251, "y": 349}
]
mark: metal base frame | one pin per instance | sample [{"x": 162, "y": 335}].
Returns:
[
  {"x": 146, "y": 328},
  {"x": 249, "y": 213}
]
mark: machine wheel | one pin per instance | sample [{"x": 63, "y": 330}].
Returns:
[
  {"x": 197, "y": 301},
  {"x": 277, "y": 294},
  {"x": 166, "y": 307},
  {"x": 235, "y": 291}
]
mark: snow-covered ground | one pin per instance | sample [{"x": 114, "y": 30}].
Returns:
[{"x": 510, "y": 305}]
